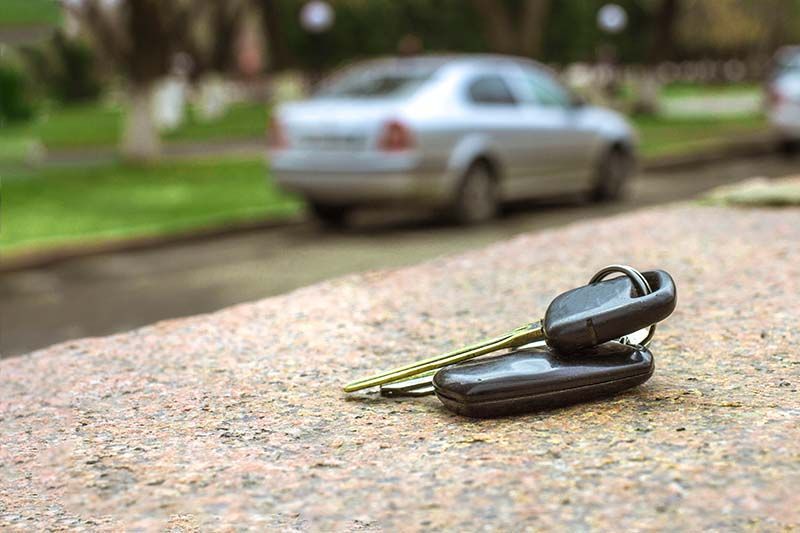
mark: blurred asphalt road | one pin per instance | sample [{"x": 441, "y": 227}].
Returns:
[{"x": 117, "y": 292}]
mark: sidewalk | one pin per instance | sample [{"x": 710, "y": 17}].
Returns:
[{"x": 236, "y": 418}]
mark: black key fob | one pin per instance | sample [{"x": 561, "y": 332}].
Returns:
[
  {"x": 607, "y": 310},
  {"x": 540, "y": 378}
]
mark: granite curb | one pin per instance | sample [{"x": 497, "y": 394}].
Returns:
[{"x": 236, "y": 420}]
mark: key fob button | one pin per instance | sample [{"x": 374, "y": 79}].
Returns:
[{"x": 540, "y": 378}]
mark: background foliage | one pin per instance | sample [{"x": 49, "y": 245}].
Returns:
[{"x": 706, "y": 29}]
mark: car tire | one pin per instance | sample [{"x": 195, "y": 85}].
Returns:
[
  {"x": 476, "y": 200},
  {"x": 789, "y": 147},
  {"x": 329, "y": 215},
  {"x": 612, "y": 175}
]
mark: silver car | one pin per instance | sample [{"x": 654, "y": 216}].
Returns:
[
  {"x": 464, "y": 133},
  {"x": 783, "y": 98}
]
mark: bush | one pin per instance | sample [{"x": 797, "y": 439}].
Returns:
[
  {"x": 16, "y": 103},
  {"x": 66, "y": 69}
]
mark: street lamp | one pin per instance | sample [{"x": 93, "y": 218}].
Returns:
[
  {"x": 612, "y": 18},
  {"x": 316, "y": 17}
]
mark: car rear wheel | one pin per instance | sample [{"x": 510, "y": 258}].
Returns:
[
  {"x": 789, "y": 147},
  {"x": 476, "y": 200},
  {"x": 334, "y": 216},
  {"x": 612, "y": 175}
]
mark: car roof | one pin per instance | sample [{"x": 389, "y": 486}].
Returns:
[{"x": 436, "y": 61}]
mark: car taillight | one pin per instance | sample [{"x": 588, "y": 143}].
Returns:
[
  {"x": 395, "y": 137},
  {"x": 276, "y": 137},
  {"x": 774, "y": 97}
]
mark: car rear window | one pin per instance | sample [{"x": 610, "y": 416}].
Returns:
[{"x": 373, "y": 83}]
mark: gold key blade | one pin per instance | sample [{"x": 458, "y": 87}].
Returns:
[{"x": 522, "y": 335}]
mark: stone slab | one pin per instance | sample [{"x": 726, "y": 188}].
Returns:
[{"x": 236, "y": 420}]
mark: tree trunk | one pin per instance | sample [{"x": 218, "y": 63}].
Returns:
[
  {"x": 498, "y": 27},
  {"x": 534, "y": 19},
  {"x": 141, "y": 142},
  {"x": 665, "y": 21},
  {"x": 662, "y": 48},
  {"x": 648, "y": 93},
  {"x": 276, "y": 44},
  {"x": 514, "y": 31}
]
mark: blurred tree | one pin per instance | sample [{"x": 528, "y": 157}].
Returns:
[
  {"x": 562, "y": 31},
  {"x": 665, "y": 19},
  {"x": 721, "y": 27},
  {"x": 138, "y": 39},
  {"x": 555, "y": 32},
  {"x": 511, "y": 28},
  {"x": 274, "y": 32},
  {"x": 141, "y": 40},
  {"x": 65, "y": 67},
  {"x": 367, "y": 28},
  {"x": 210, "y": 38},
  {"x": 737, "y": 28},
  {"x": 16, "y": 102}
]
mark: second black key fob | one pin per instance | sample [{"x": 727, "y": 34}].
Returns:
[{"x": 540, "y": 378}]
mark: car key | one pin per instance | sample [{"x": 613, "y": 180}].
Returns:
[
  {"x": 541, "y": 378},
  {"x": 583, "y": 317},
  {"x": 600, "y": 312}
]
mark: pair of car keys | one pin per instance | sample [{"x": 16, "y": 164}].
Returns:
[{"x": 591, "y": 342}]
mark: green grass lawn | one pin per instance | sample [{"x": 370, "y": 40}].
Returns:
[
  {"x": 97, "y": 125},
  {"x": 242, "y": 121},
  {"x": 71, "y": 127},
  {"x": 680, "y": 89},
  {"x": 15, "y": 152},
  {"x": 685, "y": 89},
  {"x": 65, "y": 205},
  {"x": 29, "y": 12},
  {"x": 661, "y": 136}
]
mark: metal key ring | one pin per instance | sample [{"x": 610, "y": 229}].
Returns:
[{"x": 638, "y": 280}]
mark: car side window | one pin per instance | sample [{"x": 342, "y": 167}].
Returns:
[
  {"x": 541, "y": 89},
  {"x": 490, "y": 90}
]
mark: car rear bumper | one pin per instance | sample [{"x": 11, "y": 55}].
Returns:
[
  {"x": 364, "y": 188},
  {"x": 362, "y": 180},
  {"x": 786, "y": 119}
]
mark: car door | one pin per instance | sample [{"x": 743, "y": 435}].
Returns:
[
  {"x": 561, "y": 145},
  {"x": 493, "y": 113}
]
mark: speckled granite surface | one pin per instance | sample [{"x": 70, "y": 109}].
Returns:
[{"x": 236, "y": 419}]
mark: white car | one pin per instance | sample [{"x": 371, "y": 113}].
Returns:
[
  {"x": 465, "y": 133},
  {"x": 783, "y": 98}
]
